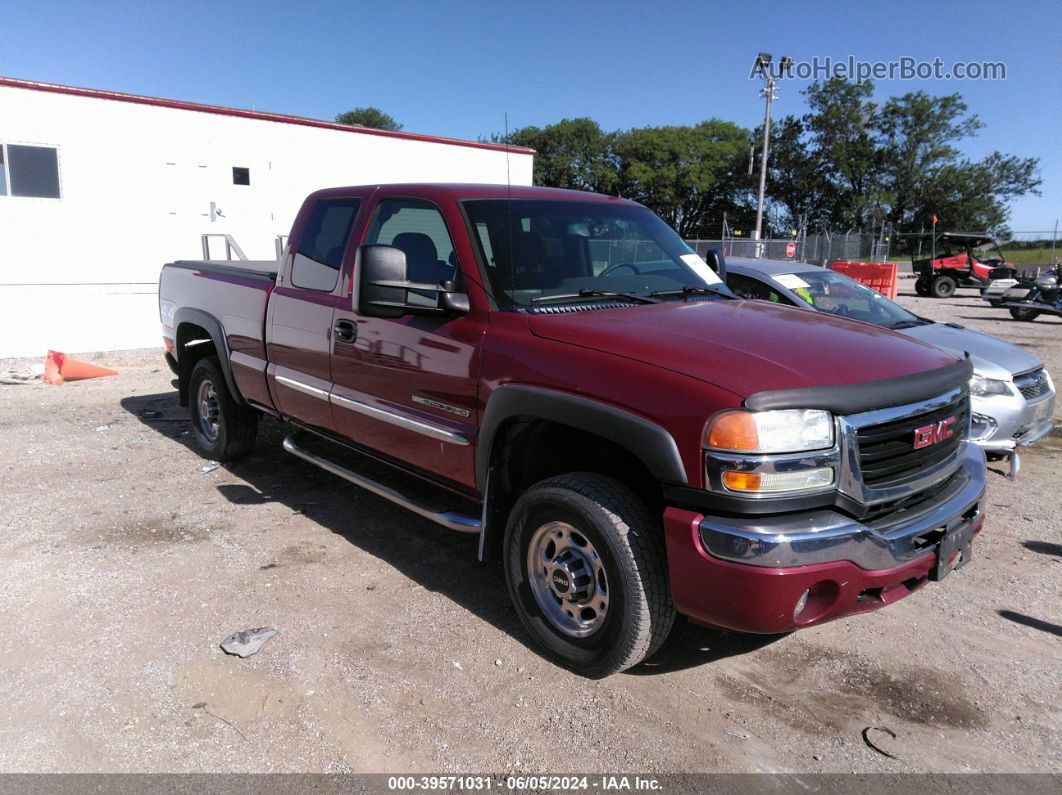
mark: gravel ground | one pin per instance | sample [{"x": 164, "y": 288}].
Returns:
[{"x": 124, "y": 565}]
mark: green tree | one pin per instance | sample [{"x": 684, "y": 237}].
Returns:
[
  {"x": 369, "y": 117},
  {"x": 917, "y": 136},
  {"x": 797, "y": 182},
  {"x": 689, "y": 176},
  {"x": 842, "y": 126},
  {"x": 851, "y": 163},
  {"x": 573, "y": 153},
  {"x": 973, "y": 196}
]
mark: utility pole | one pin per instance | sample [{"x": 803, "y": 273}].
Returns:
[{"x": 763, "y": 62}]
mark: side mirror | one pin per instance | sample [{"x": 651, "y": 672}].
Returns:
[
  {"x": 384, "y": 289},
  {"x": 716, "y": 261}
]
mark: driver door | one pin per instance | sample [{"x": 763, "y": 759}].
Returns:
[{"x": 407, "y": 387}]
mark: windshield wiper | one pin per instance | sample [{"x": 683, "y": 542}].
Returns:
[
  {"x": 590, "y": 293},
  {"x": 909, "y": 324},
  {"x": 688, "y": 289}
]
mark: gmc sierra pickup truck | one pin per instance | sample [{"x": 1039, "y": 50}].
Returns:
[{"x": 559, "y": 373}]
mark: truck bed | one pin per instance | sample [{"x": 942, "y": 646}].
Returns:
[
  {"x": 228, "y": 301},
  {"x": 257, "y": 269}
]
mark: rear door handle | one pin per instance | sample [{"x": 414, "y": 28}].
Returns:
[{"x": 345, "y": 330}]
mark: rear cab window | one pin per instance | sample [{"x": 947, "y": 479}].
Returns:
[{"x": 319, "y": 255}]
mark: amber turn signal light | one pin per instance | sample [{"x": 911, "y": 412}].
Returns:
[
  {"x": 734, "y": 431},
  {"x": 742, "y": 481}
]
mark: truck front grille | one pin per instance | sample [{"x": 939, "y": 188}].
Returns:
[
  {"x": 887, "y": 452},
  {"x": 1032, "y": 385}
]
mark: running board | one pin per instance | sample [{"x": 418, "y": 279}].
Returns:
[{"x": 449, "y": 519}]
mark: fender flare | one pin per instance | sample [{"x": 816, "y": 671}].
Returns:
[
  {"x": 653, "y": 445},
  {"x": 214, "y": 328}
]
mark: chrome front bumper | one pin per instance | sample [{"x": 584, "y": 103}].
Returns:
[{"x": 825, "y": 535}]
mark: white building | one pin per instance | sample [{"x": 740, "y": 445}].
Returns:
[{"x": 99, "y": 189}]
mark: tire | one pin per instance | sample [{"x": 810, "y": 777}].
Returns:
[
  {"x": 996, "y": 304},
  {"x": 223, "y": 429},
  {"x": 1027, "y": 315},
  {"x": 943, "y": 287},
  {"x": 922, "y": 287},
  {"x": 600, "y": 545}
]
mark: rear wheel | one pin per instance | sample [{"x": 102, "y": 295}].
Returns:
[
  {"x": 922, "y": 287},
  {"x": 943, "y": 287},
  {"x": 223, "y": 429},
  {"x": 587, "y": 572},
  {"x": 1021, "y": 313}
]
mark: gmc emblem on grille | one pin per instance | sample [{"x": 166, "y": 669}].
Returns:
[{"x": 931, "y": 434}]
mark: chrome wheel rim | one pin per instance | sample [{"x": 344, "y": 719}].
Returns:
[
  {"x": 567, "y": 578},
  {"x": 208, "y": 409}
]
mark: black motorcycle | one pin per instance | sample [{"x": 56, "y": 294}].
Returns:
[{"x": 1030, "y": 298}]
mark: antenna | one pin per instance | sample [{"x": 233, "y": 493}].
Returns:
[
  {"x": 508, "y": 179},
  {"x": 509, "y": 192}
]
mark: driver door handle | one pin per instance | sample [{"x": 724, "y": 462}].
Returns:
[{"x": 345, "y": 330}]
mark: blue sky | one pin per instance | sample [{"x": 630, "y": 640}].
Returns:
[{"x": 454, "y": 68}]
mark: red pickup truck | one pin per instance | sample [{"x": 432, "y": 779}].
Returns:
[{"x": 561, "y": 374}]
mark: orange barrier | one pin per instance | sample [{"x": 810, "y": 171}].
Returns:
[
  {"x": 880, "y": 276},
  {"x": 58, "y": 367}
]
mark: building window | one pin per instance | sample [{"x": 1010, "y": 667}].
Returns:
[
  {"x": 241, "y": 176},
  {"x": 29, "y": 171}
]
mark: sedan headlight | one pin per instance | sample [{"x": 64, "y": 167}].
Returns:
[
  {"x": 983, "y": 387},
  {"x": 782, "y": 431}
]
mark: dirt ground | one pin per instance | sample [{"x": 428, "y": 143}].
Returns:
[{"x": 123, "y": 565}]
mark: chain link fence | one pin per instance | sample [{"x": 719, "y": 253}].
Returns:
[{"x": 818, "y": 249}]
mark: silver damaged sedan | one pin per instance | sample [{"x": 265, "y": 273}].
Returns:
[{"x": 1011, "y": 394}]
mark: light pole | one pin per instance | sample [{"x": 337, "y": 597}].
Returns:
[{"x": 763, "y": 63}]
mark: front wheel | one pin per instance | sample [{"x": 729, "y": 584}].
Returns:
[
  {"x": 922, "y": 287},
  {"x": 223, "y": 429},
  {"x": 587, "y": 572},
  {"x": 1022, "y": 313}
]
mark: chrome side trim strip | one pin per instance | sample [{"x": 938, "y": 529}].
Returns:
[
  {"x": 449, "y": 519},
  {"x": 434, "y": 431},
  {"x": 299, "y": 386},
  {"x": 253, "y": 362}
]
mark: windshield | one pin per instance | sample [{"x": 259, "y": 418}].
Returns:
[
  {"x": 831, "y": 292},
  {"x": 541, "y": 251}
]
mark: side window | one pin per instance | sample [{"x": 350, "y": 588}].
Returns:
[
  {"x": 417, "y": 227},
  {"x": 320, "y": 252},
  {"x": 747, "y": 287}
]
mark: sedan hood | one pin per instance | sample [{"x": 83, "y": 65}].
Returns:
[
  {"x": 992, "y": 358},
  {"x": 745, "y": 346}
]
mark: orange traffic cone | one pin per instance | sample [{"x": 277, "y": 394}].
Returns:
[{"x": 58, "y": 367}]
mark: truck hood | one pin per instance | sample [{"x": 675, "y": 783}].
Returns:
[
  {"x": 745, "y": 346},
  {"x": 992, "y": 358}
]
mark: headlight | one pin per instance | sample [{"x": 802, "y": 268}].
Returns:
[
  {"x": 783, "y": 431},
  {"x": 983, "y": 387}
]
